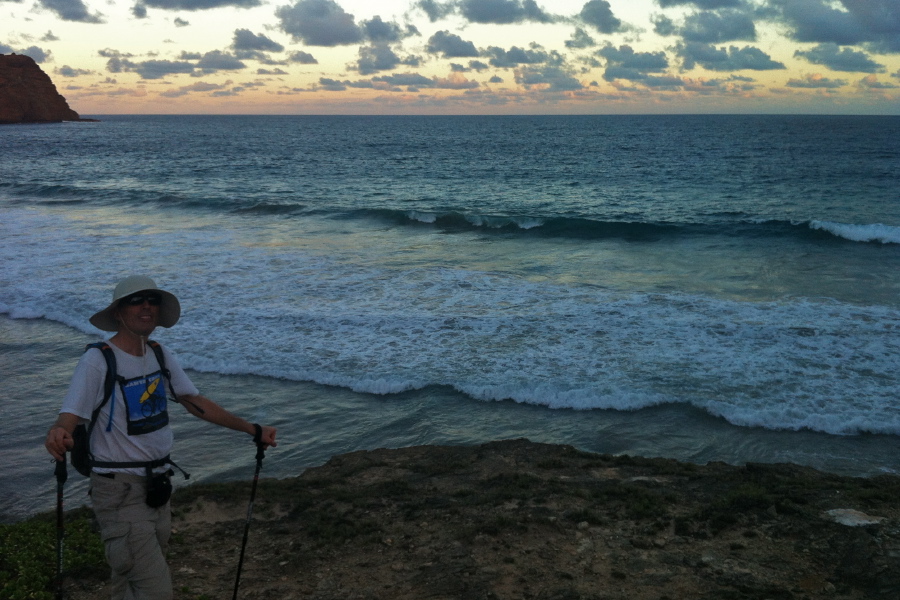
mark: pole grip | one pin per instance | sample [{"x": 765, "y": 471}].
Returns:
[
  {"x": 257, "y": 439},
  {"x": 61, "y": 472}
]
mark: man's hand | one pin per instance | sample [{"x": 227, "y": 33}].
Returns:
[
  {"x": 268, "y": 437},
  {"x": 59, "y": 438},
  {"x": 58, "y": 442}
]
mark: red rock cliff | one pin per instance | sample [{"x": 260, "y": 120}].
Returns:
[{"x": 27, "y": 95}]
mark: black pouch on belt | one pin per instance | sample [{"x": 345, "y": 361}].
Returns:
[{"x": 159, "y": 488}]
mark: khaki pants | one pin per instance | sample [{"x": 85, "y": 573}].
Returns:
[{"x": 135, "y": 537}]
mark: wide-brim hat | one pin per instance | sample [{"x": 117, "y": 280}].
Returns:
[{"x": 169, "y": 310}]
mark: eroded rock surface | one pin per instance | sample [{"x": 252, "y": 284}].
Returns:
[{"x": 27, "y": 94}]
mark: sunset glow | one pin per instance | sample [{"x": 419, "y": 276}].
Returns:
[{"x": 463, "y": 56}]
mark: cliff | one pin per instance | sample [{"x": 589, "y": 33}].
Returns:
[{"x": 27, "y": 95}]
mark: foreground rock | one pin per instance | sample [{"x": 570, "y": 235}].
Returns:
[
  {"x": 519, "y": 520},
  {"x": 27, "y": 95}
]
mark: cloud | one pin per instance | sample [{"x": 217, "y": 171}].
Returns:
[
  {"x": 450, "y": 45},
  {"x": 195, "y": 4},
  {"x": 71, "y": 10},
  {"x": 377, "y": 30},
  {"x": 663, "y": 25},
  {"x": 722, "y": 59},
  {"x": 110, "y": 53},
  {"x": 855, "y": 22},
  {"x": 580, "y": 39},
  {"x": 331, "y": 85},
  {"x": 405, "y": 79},
  {"x": 624, "y": 63},
  {"x": 200, "y": 86},
  {"x": 67, "y": 71},
  {"x": 837, "y": 59},
  {"x": 120, "y": 62},
  {"x": 435, "y": 11},
  {"x": 319, "y": 23},
  {"x": 515, "y": 56},
  {"x": 39, "y": 55},
  {"x": 49, "y": 37},
  {"x": 304, "y": 58},
  {"x": 870, "y": 82},
  {"x": 216, "y": 60},
  {"x": 95, "y": 90},
  {"x": 816, "y": 81},
  {"x": 732, "y": 85},
  {"x": 244, "y": 39},
  {"x": 455, "y": 81},
  {"x": 179, "y": 22},
  {"x": 715, "y": 27},
  {"x": 502, "y": 12},
  {"x": 599, "y": 15},
  {"x": 379, "y": 57},
  {"x": 553, "y": 78},
  {"x": 663, "y": 82},
  {"x": 150, "y": 69},
  {"x": 703, "y": 4}
]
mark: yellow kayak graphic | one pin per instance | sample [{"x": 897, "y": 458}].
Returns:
[{"x": 150, "y": 389}]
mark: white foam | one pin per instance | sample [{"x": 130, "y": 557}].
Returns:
[
  {"x": 877, "y": 232},
  {"x": 422, "y": 217},
  {"x": 273, "y": 300}
]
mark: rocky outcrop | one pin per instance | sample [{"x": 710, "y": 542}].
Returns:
[
  {"x": 520, "y": 520},
  {"x": 27, "y": 95}
]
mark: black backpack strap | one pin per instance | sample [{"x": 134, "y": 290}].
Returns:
[
  {"x": 109, "y": 383},
  {"x": 161, "y": 359},
  {"x": 148, "y": 464},
  {"x": 81, "y": 448}
]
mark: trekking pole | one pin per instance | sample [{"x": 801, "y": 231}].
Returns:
[
  {"x": 61, "y": 475},
  {"x": 260, "y": 455}
]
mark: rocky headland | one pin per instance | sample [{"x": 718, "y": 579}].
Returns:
[
  {"x": 520, "y": 520},
  {"x": 27, "y": 94}
]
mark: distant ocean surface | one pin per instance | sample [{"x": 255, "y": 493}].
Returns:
[{"x": 695, "y": 287}]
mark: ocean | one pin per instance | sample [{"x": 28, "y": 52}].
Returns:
[{"x": 704, "y": 288}]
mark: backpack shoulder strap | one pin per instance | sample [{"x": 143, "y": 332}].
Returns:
[
  {"x": 109, "y": 382},
  {"x": 161, "y": 359},
  {"x": 160, "y": 356}
]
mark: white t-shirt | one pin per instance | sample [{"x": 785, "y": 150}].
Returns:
[{"x": 138, "y": 430}]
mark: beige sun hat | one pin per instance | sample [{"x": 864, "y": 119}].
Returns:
[{"x": 169, "y": 310}]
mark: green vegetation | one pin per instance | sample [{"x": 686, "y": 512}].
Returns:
[{"x": 28, "y": 555}]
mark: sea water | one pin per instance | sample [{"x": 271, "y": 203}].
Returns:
[{"x": 696, "y": 287}]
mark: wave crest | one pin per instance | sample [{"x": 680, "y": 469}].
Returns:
[{"x": 876, "y": 232}]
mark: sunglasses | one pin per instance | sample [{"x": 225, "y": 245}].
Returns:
[{"x": 139, "y": 299}]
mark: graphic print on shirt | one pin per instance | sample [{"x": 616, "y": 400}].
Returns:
[{"x": 145, "y": 403}]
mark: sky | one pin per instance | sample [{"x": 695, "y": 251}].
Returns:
[{"x": 463, "y": 56}]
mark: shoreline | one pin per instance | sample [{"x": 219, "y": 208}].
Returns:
[
  {"x": 518, "y": 519},
  {"x": 317, "y": 422}
]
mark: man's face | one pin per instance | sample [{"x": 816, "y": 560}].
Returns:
[{"x": 139, "y": 312}]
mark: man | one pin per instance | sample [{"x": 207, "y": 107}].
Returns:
[{"x": 131, "y": 438}]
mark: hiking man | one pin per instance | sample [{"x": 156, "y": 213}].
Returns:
[{"x": 130, "y": 439}]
